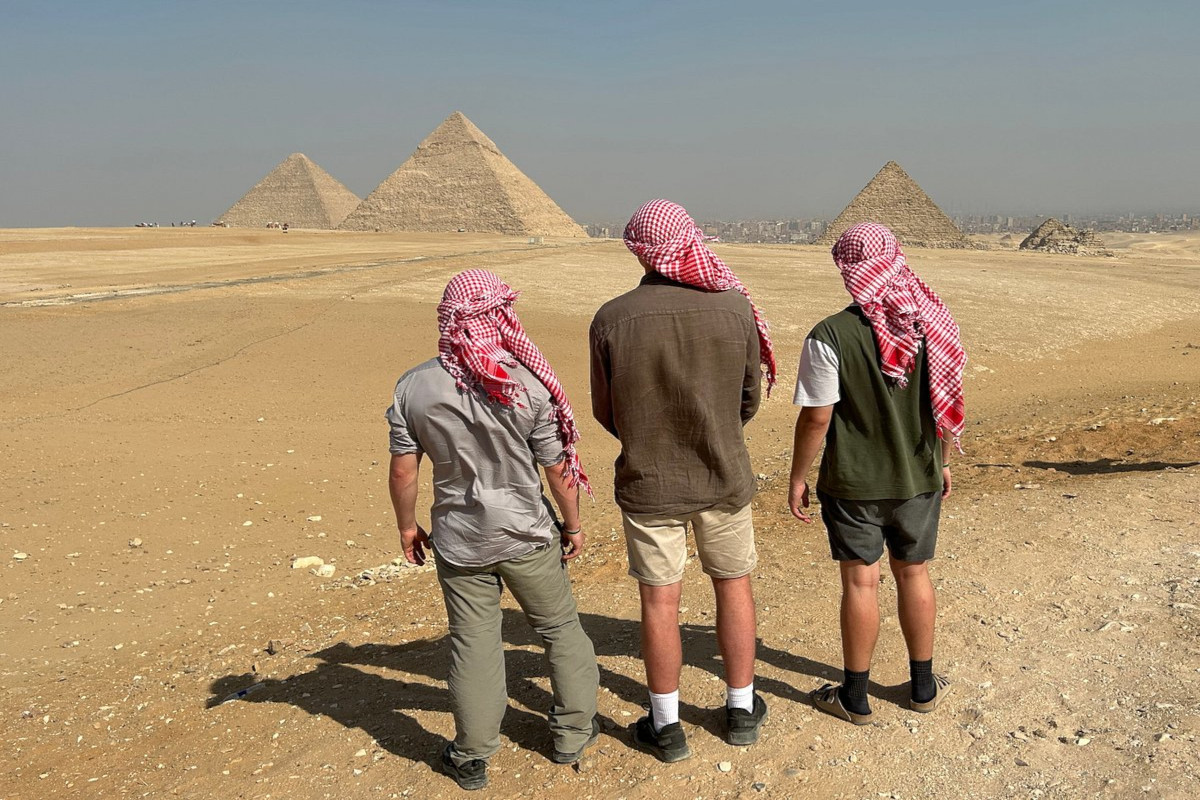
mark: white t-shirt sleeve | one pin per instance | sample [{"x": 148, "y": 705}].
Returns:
[{"x": 817, "y": 380}]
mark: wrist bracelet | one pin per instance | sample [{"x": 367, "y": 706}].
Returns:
[{"x": 566, "y": 532}]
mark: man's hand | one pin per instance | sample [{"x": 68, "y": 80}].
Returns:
[
  {"x": 413, "y": 541},
  {"x": 798, "y": 500},
  {"x": 947, "y": 484},
  {"x": 572, "y": 543}
]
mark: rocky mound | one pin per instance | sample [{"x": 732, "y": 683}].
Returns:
[{"x": 1054, "y": 236}]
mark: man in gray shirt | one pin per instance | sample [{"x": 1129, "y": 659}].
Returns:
[{"x": 487, "y": 412}]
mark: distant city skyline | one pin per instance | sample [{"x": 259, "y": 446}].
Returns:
[{"x": 123, "y": 112}]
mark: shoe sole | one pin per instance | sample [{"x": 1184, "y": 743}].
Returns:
[
  {"x": 746, "y": 737},
  {"x": 834, "y": 708},
  {"x": 464, "y": 784},
  {"x": 571, "y": 758},
  {"x": 665, "y": 756},
  {"x": 943, "y": 689}
]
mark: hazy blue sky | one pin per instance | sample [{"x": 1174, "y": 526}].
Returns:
[{"x": 116, "y": 112}]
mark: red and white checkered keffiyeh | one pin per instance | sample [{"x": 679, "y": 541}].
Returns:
[
  {"x": 481, "y": 335},
  {"x": 902, "y": 311},
  {"x": 663, "y": 235}
]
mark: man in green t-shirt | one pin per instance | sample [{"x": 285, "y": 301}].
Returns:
[{"x": 886, "y": 468}]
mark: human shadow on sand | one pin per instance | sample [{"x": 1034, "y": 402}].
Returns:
[
  {"x": 1107, "y": 466},
  {"x": 368, "y": 686}
]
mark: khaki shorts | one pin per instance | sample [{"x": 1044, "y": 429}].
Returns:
[{"x": 657, "y": 545}]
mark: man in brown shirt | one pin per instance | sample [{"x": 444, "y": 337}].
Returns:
[{"x": 675, "y": 376}]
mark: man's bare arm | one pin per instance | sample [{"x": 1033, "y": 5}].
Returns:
[
  {"x": 567, "y": 499},
  {"x": 811, "y": 426},
  {"x": 402, "y": 485}
]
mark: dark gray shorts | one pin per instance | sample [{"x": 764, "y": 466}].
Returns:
[{"x": 859, "y": 528}]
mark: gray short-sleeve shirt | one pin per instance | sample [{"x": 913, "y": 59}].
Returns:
[{"x": 488, "y": 504}]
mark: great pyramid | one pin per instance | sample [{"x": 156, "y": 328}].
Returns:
[
  {"x": 297, "y": 192},
  {"x": 459, "y": 180},
  {"x": 894, "y": 199}
]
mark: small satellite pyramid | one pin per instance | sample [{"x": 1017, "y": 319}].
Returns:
[
  {"x": 297, "y": 192},
  {"x": 459, "y": 180},
  {"x": 894, "y": 199},
  {"x": 1053, "y": 236}
]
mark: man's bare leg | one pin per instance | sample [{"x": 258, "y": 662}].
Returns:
[
  {"x": 917, "y": 607},
  {"x": 860, "y": 630},
  {"x": 859, "y": 613},
  {"x": 736, "y": 628},
  {"x": 662, "y": 650}
]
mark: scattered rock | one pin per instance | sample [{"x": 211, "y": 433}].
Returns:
[
  {"x": 315, "y": 518},
  {"x": 135, "y": 542},
  {"x": 307, "y": 562},
  {"x": 20, "y": 556},
  {"x": 724, "y": 766},
  {"x": 326, "y": 570}
]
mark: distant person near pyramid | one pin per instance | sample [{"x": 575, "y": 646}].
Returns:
[
  {"x": 297, "y": 192},
  {"x": 894, "y": 199},
  {"x": 458, "y": 180}
]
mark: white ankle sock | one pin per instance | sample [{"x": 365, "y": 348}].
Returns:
[
  {"x": 664, "y": 709},
  {"x": 740, "y": 698}
]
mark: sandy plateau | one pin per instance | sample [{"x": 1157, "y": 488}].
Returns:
[{"x": 187, "y": 411}]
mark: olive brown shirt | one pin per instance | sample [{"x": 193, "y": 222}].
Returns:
[{"x": 675, "y": 376}]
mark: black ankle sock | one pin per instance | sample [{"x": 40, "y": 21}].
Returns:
[
  {"x": 923, "y": 687},
  {"x": 853, "y": 693}
]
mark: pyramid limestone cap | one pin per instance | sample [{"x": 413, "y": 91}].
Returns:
[
  {"x": 297, "y": 191},
  {"x": 894, "y": 199},
  {"x": 457, "y": 179}
]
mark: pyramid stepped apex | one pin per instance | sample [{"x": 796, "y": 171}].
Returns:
[
  {"x": 894, "y": 199},
  {"x": 457, "y": 179},
  {"x": 297, "y": 191}
]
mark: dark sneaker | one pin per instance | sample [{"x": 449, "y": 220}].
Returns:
[
  {"x": 560, "y": 757},
  {"x": 742, "y": 726},
  {"x": 668, "y": 745},
  {"x": 470, "y": 775}
]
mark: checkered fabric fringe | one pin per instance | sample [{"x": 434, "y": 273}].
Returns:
[
  {"x": 480, "y": 335},
  {"x": 662, "y": 233},
  {"x": 902, "y": 311}
]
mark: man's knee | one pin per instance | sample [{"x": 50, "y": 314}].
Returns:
[
  {"x": 859, "y": 576},
  {"x": 908, "y": 570},
  {"x": 660, "y": 599}
]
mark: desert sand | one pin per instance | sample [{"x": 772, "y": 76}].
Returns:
[{"x": 187, "y": 411}]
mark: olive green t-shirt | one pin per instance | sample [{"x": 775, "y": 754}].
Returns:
[{"x": 882, "y": 441}]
